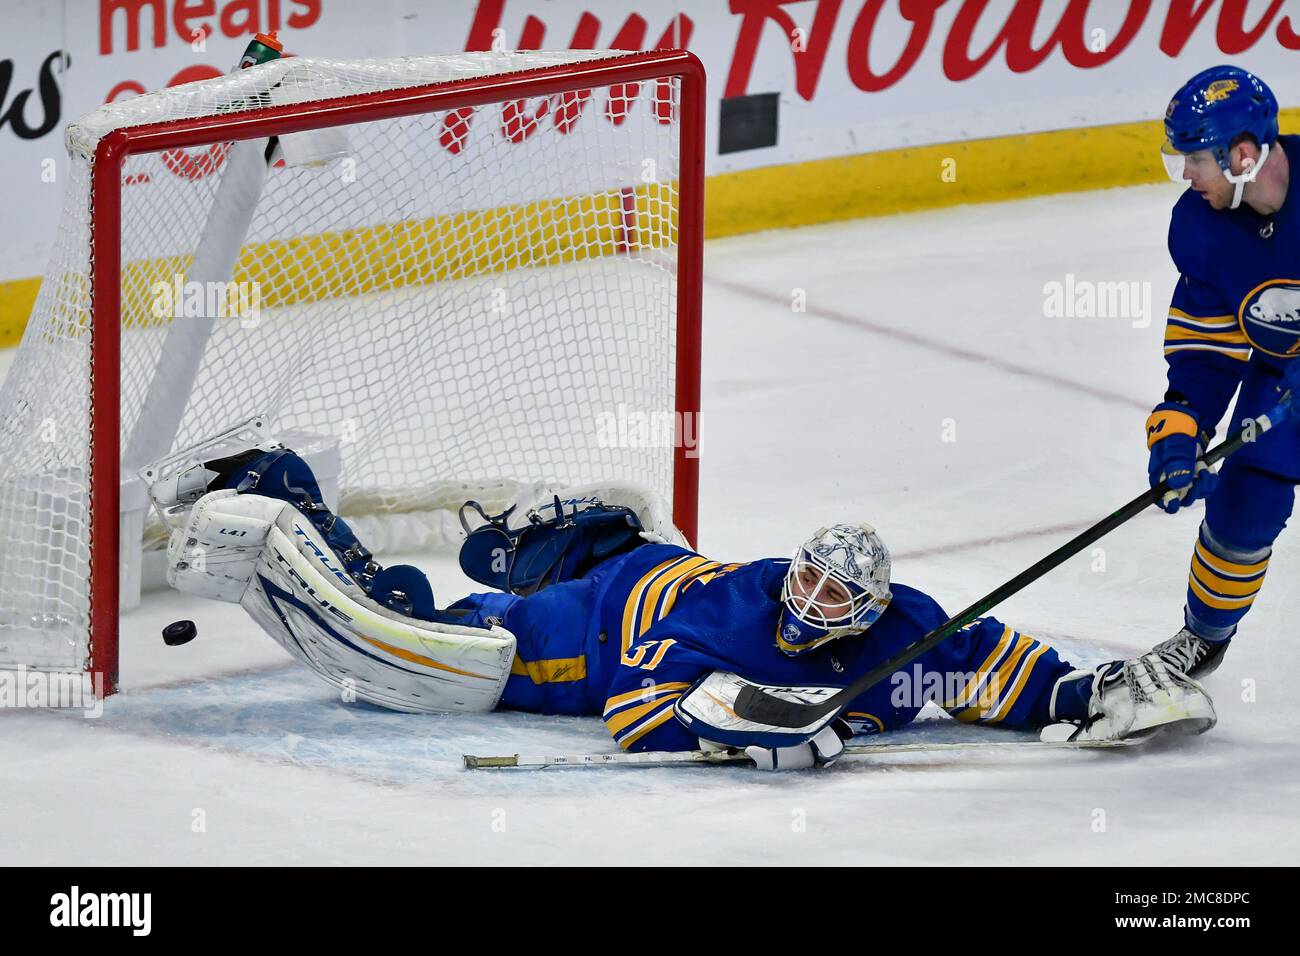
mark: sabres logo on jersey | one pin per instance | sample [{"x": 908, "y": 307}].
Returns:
[
  {"x": 1270, "y": 317},
  {"x": 1220, "y": 90}
]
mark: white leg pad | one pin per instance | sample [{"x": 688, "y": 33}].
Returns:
[
  {"x": 310, "y": 608},
  {"x": 214, "y": 554}
]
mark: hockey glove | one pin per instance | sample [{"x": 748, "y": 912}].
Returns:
[
  {"x": 1176, "y": 443},
  {"x": 822, "y": 751},
  {"x": 708, "y": 710}
]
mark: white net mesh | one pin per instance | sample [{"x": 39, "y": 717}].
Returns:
[{"x": 459, "y": 302}]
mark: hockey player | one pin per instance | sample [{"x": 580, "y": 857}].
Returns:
[
  {"x": 601, "y": 609},
  {"x": 1234, "y": 322}
]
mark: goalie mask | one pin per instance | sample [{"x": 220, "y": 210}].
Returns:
[{"x": 837, "y": 584}]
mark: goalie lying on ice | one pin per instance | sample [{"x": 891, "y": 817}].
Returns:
[{"x": 600, "y": 608}]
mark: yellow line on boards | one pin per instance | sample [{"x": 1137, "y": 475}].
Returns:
[{"x": 772, "y": 197}]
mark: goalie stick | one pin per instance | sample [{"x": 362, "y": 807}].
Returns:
[
  {"x": 756, "y": 705},
  {"x": 688, "y": 758}
]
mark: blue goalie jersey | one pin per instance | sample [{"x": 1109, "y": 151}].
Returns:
[{"x": 628, "y": 639}]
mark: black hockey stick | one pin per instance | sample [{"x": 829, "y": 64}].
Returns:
[{"x": 756, "y": 705}]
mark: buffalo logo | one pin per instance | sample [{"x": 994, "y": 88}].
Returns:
[
  {"x": 791, "y": 633},
  {"x": 1219, "y": 90},
  {"x": 1270, "y": 317},
  {"x": 1169, "y": 112}
]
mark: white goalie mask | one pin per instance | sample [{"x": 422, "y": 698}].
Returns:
[{"x": 837, "y": 584}]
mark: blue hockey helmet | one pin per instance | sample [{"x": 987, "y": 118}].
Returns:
[
  {"x": 837, "y": 584},
  {"x": 1213, "y": 109}
]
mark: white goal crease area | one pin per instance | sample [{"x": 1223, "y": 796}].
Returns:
[{"x": 438, "y": 274}]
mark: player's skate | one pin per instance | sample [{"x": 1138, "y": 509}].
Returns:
[
  {"x": 1191, "y": 654},
  {"x": 1132, "y": 699}
]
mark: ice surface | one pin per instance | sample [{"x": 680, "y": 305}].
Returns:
[{"x": 914, "y": 326}]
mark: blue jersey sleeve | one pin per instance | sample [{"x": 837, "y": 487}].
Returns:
[
  {"x": 650, "y": 678},
  {"x": 1205, "y": 348},
  {"x": 993, "y": 674}
]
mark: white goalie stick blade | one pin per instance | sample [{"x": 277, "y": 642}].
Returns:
[
  {"x": 689, "y": 758},
  {"x": 317, "y": 614}
]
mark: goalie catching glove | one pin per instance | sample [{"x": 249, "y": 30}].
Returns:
[{"x": 708, "y": 711}]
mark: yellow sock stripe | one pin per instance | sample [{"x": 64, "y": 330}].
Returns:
[
  {"x": 1224, "y": 587},
  {"x": 558, "y": 670},
  {"x": 1222, "y": 604},
  {"x": 646, "y": 693},
  {"x": 629, "y": 739},
  {"x": 1229, "y": 568}
]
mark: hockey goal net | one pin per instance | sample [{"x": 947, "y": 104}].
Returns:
[{"x": 445, "y": 275}]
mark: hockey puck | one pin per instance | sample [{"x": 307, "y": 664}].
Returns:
[{"x": 179, "y": 632}]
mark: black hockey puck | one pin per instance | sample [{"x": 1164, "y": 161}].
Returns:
[{"x": 179, "y": 632}]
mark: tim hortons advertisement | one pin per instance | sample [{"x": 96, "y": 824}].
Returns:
[{"x": 790, "y": 80}]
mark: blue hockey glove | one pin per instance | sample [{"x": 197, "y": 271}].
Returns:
[{"x": 1176, "y": 443}]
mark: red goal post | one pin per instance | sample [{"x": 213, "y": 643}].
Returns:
[{"x": 114, "y": 150}]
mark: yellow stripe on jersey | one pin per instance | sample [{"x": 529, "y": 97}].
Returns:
[
  {"x": 659, "y": 597},
  {"x": 650, "y": 724},
  {"x": 557, "y": 670},
  {"x": 1207, "y": 320},
  {"x": 620, "y": 721},
  {"x": 654, "y": 595},
  {"x": 1241, "y": 354},
  {"x": 631, "y": 607},
  {"x": 998, "y": 684},
  {"x": 1009, "y": 699},
  {"x": 964, "y": 696},
  {"x": 648, "y": 692},
  {"x": 1232, "y": 336},
  {"x": 632, "y": 723}
]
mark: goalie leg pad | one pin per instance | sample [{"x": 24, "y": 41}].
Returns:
[
  {"x": 213, "y": 556},
  {"x": 326, "y": 621}
]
